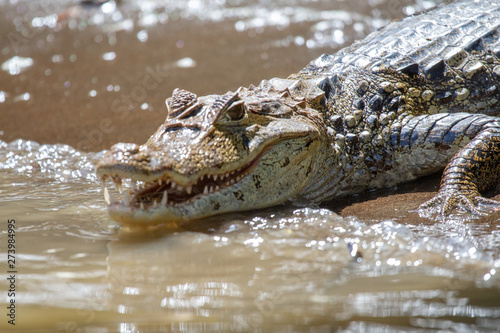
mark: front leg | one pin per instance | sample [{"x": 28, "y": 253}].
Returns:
[{"x": 473, "y": 169}]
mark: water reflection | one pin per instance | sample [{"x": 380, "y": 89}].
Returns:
[{"x": 293, "y": 267}]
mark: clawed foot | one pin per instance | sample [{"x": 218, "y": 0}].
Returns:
[{"x": 445, "y": 202}]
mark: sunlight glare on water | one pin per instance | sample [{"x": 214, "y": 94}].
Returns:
[{"x": 283, "y": 269}]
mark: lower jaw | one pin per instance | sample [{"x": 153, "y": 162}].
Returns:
[
  {"x": 171, "y": 217},
  {"x": 144, "y": 217}
]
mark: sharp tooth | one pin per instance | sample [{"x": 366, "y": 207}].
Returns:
[
  {"x": 126, "y": 199},
  {"x": 164, "y": 199},
  {"x": 142, "y": 205},
  {"x": 160, "y": 182},
  {"x": 133, "y": 185},
  {"x": 155, "y": 204},
  {"x": 180, "y": 187},
  {"x": 189, "y": 189},
  {"x": 217, "y": 188},
  {"x": 238, "y": 178},
  {"x": 226, "y": 175},
  {"x": 101, "y": 182},
  {"x": 202, "y": 177},
  {"x": 107, "y": 196},
  {"x": 205, "y": 190},
  {"x": 211, "y": 189},
  {"x": 174, "y": 184},
  {"x": 167, "y": 181},
  {"x": 118, "y": 184},
  {"x": 232, "y": 181},
  {"x": 215, "y": 177}
]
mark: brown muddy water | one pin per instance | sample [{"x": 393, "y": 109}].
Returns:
[{"x": 75, "y": 79}]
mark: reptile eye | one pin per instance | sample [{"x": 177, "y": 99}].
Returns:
[{"x": 236, "y": 111}]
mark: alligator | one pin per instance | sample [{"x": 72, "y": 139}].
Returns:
[{"x": 416, "y": 97}]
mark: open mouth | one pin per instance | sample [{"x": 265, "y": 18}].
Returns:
[{"x": 166, "y": 192}]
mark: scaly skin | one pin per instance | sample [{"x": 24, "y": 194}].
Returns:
[{"x": 408, "y": 100}]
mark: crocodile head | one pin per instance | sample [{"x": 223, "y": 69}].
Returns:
[{"x": 244, "y": 150}]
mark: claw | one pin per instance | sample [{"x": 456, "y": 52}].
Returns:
[
  {"x": 445, "y": 202},
  {"x": 487, "y": 205}
]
